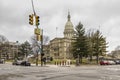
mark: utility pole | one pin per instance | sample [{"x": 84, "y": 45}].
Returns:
[
  {"x": 42, "y": 54},
  {"x": 34, "y": 20}
]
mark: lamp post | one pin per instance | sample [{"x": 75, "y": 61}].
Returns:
[
  {"x": 42, "y": 54},
  {"x": 16, "y": 54},
  {"x": 15, "y": 51},
  {"x": 52, "y": 51},
  {"x": 78, "y": 57},
  {"x": 58, "y": 53}
]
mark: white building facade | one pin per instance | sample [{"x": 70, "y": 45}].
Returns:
[{"x": 59, "y": 48}]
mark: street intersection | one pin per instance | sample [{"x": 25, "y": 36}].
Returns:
[{"x": 10, "y": 72}]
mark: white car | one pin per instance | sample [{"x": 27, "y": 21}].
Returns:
[
  {"x": 2, "y": 61},
  {"x": 18, "y": 62},
  {"x": 111, "y": 62}
]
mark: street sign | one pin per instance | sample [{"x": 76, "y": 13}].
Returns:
[{"x": 37, "y": 31}]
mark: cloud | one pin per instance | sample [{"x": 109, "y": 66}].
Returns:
[{"x": 14, "y": 17}]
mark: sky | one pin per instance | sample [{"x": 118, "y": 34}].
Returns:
[{"x": 93, "y": 14}]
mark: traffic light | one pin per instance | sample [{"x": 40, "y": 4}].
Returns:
[
  {"x": 37, "y": 20},
  {"x": 31, "y": 19}
]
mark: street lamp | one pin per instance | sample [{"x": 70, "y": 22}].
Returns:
[
  {"x": 16, "y": 55},
  {"x": 78, "y": 58},
  {"x": 15, "y": 51},
  {"x": 58, "y": 53}
]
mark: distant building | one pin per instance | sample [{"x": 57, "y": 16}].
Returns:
[
  {"x": 116, "y": 54},
  {"x": 59, "y": 48},
  {"x": 46, "y": 50},
  {"x": 8, "y": 50}
]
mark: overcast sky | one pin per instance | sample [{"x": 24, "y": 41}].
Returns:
[{"x": 14, "y": 18}]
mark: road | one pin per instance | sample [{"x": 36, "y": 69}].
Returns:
[{"x": 10, "y": 72}]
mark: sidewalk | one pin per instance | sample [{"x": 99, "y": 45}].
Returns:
[
  {"x": 60, "y": 65},
  {"x": 51, "y": 65},
  {"x": 55, "y": 66}
]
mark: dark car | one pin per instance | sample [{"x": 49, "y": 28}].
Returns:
[
  {"x": 117, "y": 61},
  {"x": 104, "y": 62},
  {"x": 25, "y": 63},
  {"x": 2, "y": 61}
]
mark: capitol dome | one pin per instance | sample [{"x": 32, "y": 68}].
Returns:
[
  {"x": 69, "y": 25},
  {"x": 68, "y": 31}
]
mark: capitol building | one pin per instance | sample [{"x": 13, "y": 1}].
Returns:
[{"x": 59, "y": 48}]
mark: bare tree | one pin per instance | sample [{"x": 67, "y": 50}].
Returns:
[
  {"x": 4, "y": 43},
  {"x": 36, "y": 45},
  {"x": 45, "y": 39},
  {"x": 3, "y": 39},
  {"x": 117, "y": 48}
]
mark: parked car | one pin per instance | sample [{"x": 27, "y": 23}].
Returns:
[
  {"x": 117, "y": 61},
  {"x": 110, "y": 62},
  {"x": 17, "y": 62},
  {"x": 104, "y": 62},
  {"x": 25, "y": 63},
  {"x": 2, "y": 61},
  {"x": 22, "y": 63}
]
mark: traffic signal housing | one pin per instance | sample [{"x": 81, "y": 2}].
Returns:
[
  {"x": 31, "y": 19},
  {"x": 37, "y": 20}
]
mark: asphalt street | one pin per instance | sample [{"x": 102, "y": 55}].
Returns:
[{"x": 10, "y": 72}]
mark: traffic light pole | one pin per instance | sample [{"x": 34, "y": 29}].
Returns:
[
  {"x": 42, "y": 54},
  {"x": 37, "y": 32},
  {"x": 37, "y": 52},
  {"x": 33, "y": 7},
  {"x": 42, "y": 48}
]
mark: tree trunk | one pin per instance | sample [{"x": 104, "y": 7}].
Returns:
[
  {"x": 91, "y": 58},
  {"x": 80, "y": 58},
  {"x": 97, "y": 59}
]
